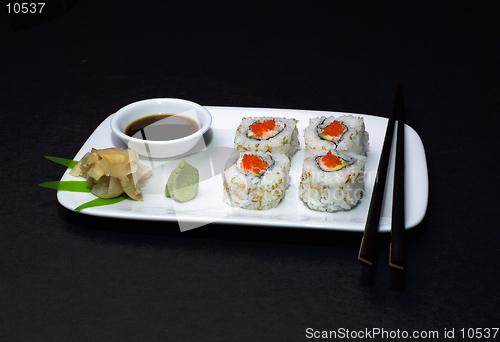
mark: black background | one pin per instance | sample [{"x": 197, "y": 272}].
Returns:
[{"x": 71, "y": 277}]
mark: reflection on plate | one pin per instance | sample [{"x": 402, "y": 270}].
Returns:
[{"x": 209, "y": 157}]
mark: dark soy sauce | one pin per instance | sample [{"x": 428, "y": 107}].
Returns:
[{"x": 162, "y": 127}]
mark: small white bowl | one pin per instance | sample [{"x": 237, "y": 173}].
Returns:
[{"x": 160, "y": 149}]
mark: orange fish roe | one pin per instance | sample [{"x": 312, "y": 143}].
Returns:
[
  {"x": 335, "y": 129},
  {"x": 259, "y": 129},
  {"x": 252, "y": 163},
  {"x": 330, "y": 160}
]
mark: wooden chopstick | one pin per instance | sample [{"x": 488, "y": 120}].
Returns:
[
  {"x": 397, "y": 256},
  {"x": 368, "y": 249}
]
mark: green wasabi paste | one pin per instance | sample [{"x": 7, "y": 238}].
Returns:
[{"x": 182, "y": 185}]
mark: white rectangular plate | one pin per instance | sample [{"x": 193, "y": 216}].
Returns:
[{"x": 208, "y": 207}]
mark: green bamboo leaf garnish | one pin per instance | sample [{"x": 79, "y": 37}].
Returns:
[
  {"x": 101, "y": 201},
  {"x": 76, "y": 186},
  {"x": 69, "y": 163}
]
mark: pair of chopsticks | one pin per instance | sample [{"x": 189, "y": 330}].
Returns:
[{"x": 367, "y": 250}]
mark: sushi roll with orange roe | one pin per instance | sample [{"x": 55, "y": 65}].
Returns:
[
  {"x": 265, "y": 129},
  {"x": 331, "y": 181},
  {"x": 253, "y": 164},
  {"x": 267, "y": 135},
  {"x": 332, "y": 132},
  {"x": 331, "y": 162},
  {"x": 255, "y": 180},
  {"x": 343, "y": 134}
]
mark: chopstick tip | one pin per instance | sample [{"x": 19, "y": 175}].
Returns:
[
  {"x": 364, "y": 261},
  {"x": 360, "y": 258},
  {"x": 395, "y": 264},
  {"x": 399, "y": 267}
]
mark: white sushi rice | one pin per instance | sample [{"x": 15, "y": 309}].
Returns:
[
  {"x": 355, "y": 140},
  {"x": 256, "y": 192},
  {"x": 331, "y": 191},
  {"x": 286, "y": 141}
]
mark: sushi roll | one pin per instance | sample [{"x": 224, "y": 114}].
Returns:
[
  {"x": 255, "y": 180},
  {"x": 267, "y": 135},
  {"x": 343, "y": 134},
  {"x": 331, "y": 181}
]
